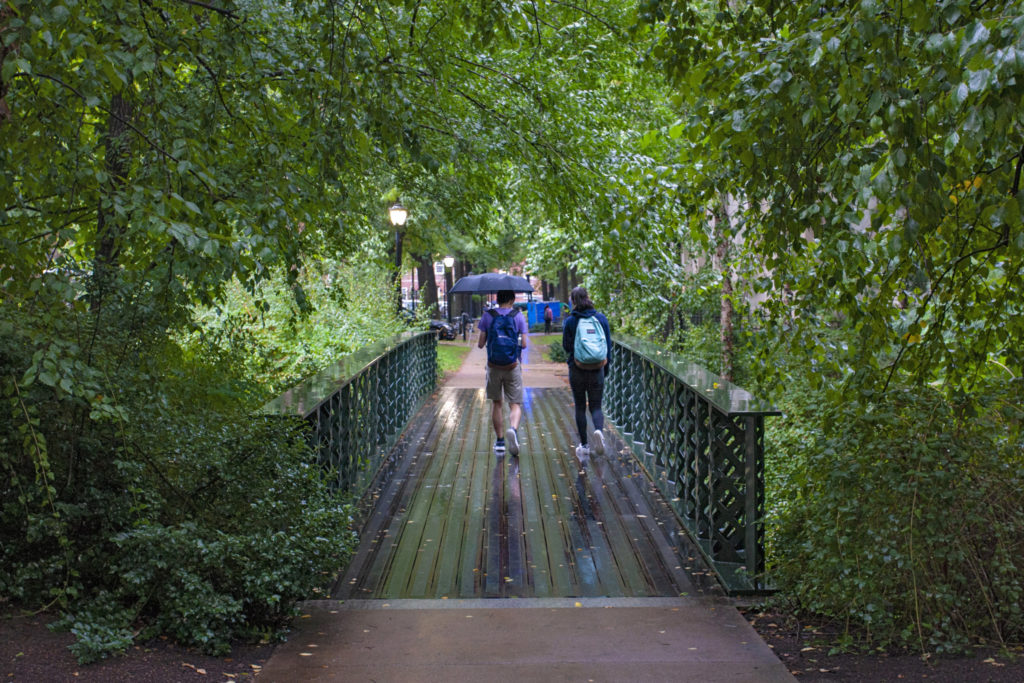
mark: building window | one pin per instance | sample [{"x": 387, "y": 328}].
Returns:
[{"x": 438, "y": 268}]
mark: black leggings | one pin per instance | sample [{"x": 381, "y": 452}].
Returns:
[{"x": 587, "y": 387}]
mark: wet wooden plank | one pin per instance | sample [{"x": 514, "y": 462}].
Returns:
[
  {"x": 437, "y": 512},
  {"x": 379, "y": 533},
  {"x": 563, "y": 475},
  {"x": 662, "y": 528},
  {"x": 616, "y": 530},
  {"x": 425, "y": 515},
  {"x": 607, "y": 548},
  {"x": 471, "y": 557},
  {"x": 553, "y": 538},
  {"x": 541, "y": 577},
  {"x": 453, "y": 541},
  {"x": 493, "y": 515},
  {"x": 386, "y": 580},
  {"x": 519, "y": 578},
  {"x": 467, "y": 524}
]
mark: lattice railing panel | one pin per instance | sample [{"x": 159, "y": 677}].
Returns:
[
  {"x": 356, "y": 408},
  {"x": 702, "y": 439}
]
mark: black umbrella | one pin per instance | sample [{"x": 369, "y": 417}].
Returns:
[{"x": 490, "y": 282}]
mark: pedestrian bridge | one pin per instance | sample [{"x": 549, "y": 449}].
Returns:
[{"x": 674, "y": 507}]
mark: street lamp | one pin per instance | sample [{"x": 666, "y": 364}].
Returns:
[
  {"x": 398, "y": 213},
  {"x": 448, "y": 263}
]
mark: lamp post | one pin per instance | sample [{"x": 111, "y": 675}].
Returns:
[
  {"x": 448, "y": 263},
  {"x": 413, "y": 289},
  {"x": 398, "y": 213}
]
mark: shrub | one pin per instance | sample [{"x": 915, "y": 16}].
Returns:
[
  {"x": 902, "y": 516},
  {"x": 557, "y": 353},
  {"x": 154, "y": 503}
]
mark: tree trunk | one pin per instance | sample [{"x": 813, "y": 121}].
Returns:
[
  {"x": 110, "y": 227},
  {"x": 563, "y": 285},
  {"x": 669, "y": 328},
  {"x": 428, "y": 287},
  {"x": 459, "y": 302},
  {"x": 722, "y": 265}
]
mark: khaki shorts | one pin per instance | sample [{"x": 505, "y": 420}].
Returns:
[{"x": 509, "y": 382}]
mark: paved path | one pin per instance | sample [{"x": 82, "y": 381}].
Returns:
[
  {"x": 699, "y": 638},
  {"x": 537, "y": 373},
  {"x": 630, "y": 639}
]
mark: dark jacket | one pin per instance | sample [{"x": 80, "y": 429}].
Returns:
[{"x": 569, "y": 332}]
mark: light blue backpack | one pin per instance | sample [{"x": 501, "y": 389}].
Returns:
[{"x": 590, "y": 349}]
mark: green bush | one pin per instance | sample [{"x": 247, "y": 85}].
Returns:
[
  {"x": 141, "y": 497},
  {"x": 210, "y": 534},
  {"x": 902, "y": 516},
  {"x": 557, "y": 353}
]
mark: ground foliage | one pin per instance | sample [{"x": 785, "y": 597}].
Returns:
[
  {"x": 900, "y": 518},
  {"x": 152, "y": 501},
  {"x": 276, "y": 337}
]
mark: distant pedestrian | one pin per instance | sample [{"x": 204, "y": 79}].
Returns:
[
  {"x": 548, "y": 317},
  {"x": 586, "y": 339},
  {"x": 503, "y": 330},
  {"x": 466, "y": 322}
]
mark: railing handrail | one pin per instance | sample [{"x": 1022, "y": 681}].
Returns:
[
  {"x": 720, "y": 393},
  {"x": 701, "y": 439},
  {"x": 355, "y": 409},
  {"x": 303, "y": 399}
]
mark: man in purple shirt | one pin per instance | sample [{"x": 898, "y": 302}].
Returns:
[{"x": 504, "y": 379}]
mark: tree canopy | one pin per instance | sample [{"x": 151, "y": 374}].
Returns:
[
  {"x": 175, "y": 175},
  {"x": 876, "y": 151}
]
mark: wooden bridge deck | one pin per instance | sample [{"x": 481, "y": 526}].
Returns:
[{"x": 455, "y": 521}]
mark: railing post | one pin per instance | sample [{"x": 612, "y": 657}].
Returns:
[{"x": 754, "y": 512}]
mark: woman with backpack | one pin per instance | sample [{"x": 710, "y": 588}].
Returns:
[{"x": 586, "y": 339}]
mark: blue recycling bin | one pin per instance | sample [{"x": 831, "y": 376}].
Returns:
[{"x": 535, "y": 312}]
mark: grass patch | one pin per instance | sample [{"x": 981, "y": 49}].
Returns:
[
  {"x": 544, "y": 341},
  {"x": 450, "y": 357}
]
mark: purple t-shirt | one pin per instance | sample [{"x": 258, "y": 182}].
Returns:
[{"x": 520, "y": 321}]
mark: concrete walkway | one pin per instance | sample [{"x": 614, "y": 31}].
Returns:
[
  {"x": 681, "y": 639},
  {"x": 627, "y": 639},
  {"x": 537, "y": 372}
]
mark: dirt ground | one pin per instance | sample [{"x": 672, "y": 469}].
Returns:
[
  {"x": 30, "y": 652},
  {"x": 804, "y": 648}
]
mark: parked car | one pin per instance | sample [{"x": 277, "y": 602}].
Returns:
[{"x": 444, "y": 330}]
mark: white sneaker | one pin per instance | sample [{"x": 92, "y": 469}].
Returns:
[
  {"x": 598, "y": 440},
  {"x": 582, "y": 453},
  {"x": 512, "y": 440}
]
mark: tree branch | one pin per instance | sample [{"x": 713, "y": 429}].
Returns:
[
  {"x": 218, "y": 10},
  {"x": 607, "y": 24},
  {"x": 127, "y": 123},
  {"x": 1016, "y": 175},
  {"x": 934, "y": 289}
]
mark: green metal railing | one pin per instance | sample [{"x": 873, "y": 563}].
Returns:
[
  {"x": 701, "y": 439},
  {"x": 356, "y": 408}
]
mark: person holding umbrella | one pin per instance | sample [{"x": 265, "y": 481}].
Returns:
[{"x": 503, "y": 331}]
